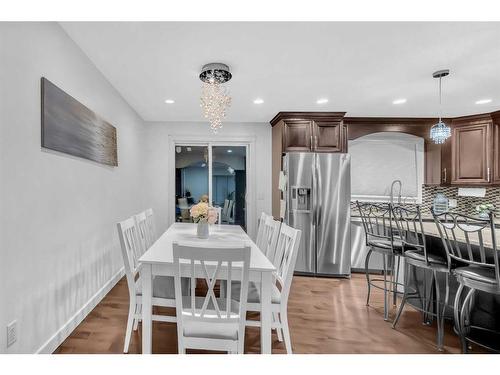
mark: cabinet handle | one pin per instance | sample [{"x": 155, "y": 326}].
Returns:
[
  {"x": 312, "y": 144},
  {"x": 444, "y": 172},
  {"x": 316, "y": 142},
  {"x": 489, "y": 174}
]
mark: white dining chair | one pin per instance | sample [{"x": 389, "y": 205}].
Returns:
[
  {"x": 143, "y": 235},
  {"x": 260, "y": 228},
  {"x": 163, "y": 286},
  {"x": 284, "y": 260},
  {"x": 207, "y": 322},
  {"x": 150, "y": 223},
  {"x": 269, "y": 237}
]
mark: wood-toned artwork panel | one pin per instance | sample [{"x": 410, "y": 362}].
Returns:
[{"x": 70, "y": 127}]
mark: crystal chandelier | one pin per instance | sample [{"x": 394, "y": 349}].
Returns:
[
  {"x": 215, "y": 98},
  {"x": 440, "y": 132}
]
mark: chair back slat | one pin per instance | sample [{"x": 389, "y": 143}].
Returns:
[
  {"x": 482, "y": 252},
  {"x": 269, "y": 237},
  {"x": 142, "y": 231},
  {"x": 151, "y": 228},
  {"x": 467, "y": 244},
  {"x": 469, "y": 247},
  {"x": 285, "y": 257},
  {"x": 377, "y": 220},
  {"x": 260, "y": 228},
  {"x": 131, "y": 250}
]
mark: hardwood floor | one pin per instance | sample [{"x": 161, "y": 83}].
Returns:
[{"x": 325, "y": 315}]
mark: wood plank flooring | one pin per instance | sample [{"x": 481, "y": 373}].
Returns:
[{"x": 325, "y": 315}]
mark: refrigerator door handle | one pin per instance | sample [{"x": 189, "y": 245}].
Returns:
[{"x": 315, "y": 211}]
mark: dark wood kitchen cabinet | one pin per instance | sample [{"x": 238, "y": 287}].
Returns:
[
  {"x": 496, "y": 147},
  {"x": 472, "y": 151},
  {"x": 328, "y": 136},
  {"x": 297, "y": 135},
  {"x": 312, "y": 131}
]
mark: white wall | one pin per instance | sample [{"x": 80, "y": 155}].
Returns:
[
  {"x": 58, "y": 238},
  {"x": 157, "y": 166}
]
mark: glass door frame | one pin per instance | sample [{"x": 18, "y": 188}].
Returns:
[{"x": 248, "y": 142}]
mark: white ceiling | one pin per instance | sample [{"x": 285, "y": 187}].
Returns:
[{"x": 360, "y": 67}]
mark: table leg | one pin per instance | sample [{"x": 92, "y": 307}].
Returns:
[
  {"x": 265, "y": 313},
  {"x": 147, "y": 329}
]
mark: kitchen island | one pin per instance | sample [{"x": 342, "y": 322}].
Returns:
[{"x": 486, "y": 310}]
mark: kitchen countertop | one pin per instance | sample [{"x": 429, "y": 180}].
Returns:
[
  {"x": 431, "y": 229},
  {"x": 425, "y": 217}
]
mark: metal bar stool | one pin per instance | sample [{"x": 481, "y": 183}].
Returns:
[
  {"x": 411, "y": 232},
  {"x": 378, "y": 226},
  {"x": 476, "y": 267}
]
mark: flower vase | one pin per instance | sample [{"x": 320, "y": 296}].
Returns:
[{"x": 202, "y": 229}]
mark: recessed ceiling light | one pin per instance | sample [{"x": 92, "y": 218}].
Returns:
[
  {"x": 170, "y": 101},
  {"x": 258, "y": 101},
  {"x": 399, "y": 101},
  {"x": 229, "y": 151},
  {"x": 483, "y": 101},
  {"x": 322, "y": 101}
]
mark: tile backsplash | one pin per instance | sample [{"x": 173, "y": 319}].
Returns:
[{"x": 466, "y": 205}]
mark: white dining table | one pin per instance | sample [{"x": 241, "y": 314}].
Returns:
[{"x": 159, "y": 260}]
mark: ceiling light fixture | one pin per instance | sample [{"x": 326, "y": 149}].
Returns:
[
  {"x": 229, "y": 151},
  {"x": 322, "y": 101},
  {"x": 399, "y": 101},
  {"x": 440, "y": 132},
  {"x": 483, "y": 101},
  {"x": 170, "y": 101},
  {"x": 258, "y": 101},
  {"x": 215, "y": 98}
]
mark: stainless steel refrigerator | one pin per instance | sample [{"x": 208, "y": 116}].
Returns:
[{"x": 318, "y": 194}]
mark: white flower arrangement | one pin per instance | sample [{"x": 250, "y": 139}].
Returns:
[
  {"x": 485, "y": 207},
  {"x": 202, "y": 212}
]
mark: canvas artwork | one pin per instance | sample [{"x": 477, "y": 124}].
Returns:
[{"x": 70, "y": 127}]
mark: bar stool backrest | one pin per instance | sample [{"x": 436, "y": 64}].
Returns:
[
  {"x": 377, "y": 221},
  {"x": 464, "y": 239},
  {"x": 409, "y": 228}
]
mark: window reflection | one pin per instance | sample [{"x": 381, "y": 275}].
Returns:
[{"x": 191, "y": 179}]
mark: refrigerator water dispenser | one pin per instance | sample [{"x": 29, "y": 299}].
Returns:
[{"x": 301, "y": 198}]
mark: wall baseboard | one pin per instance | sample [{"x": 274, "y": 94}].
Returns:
[{"x": 51, "y": 344}]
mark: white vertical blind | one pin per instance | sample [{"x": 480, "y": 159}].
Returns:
[{"x": 379, "y": 159}]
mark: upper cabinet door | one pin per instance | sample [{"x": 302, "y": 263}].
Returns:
[
  {"x": 496, "y": 153},
  {"x": 328, "y": 136},
  {"x": 471, "y": 150},
  {"x": 297, "y": 135}
]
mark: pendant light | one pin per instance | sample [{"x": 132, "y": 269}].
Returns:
[
  {"x": 440, "y": 132},
  {"x": 215, "y": 98}
]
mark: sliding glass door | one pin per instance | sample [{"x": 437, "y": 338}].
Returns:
[{"x": 213, "y": 172}]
